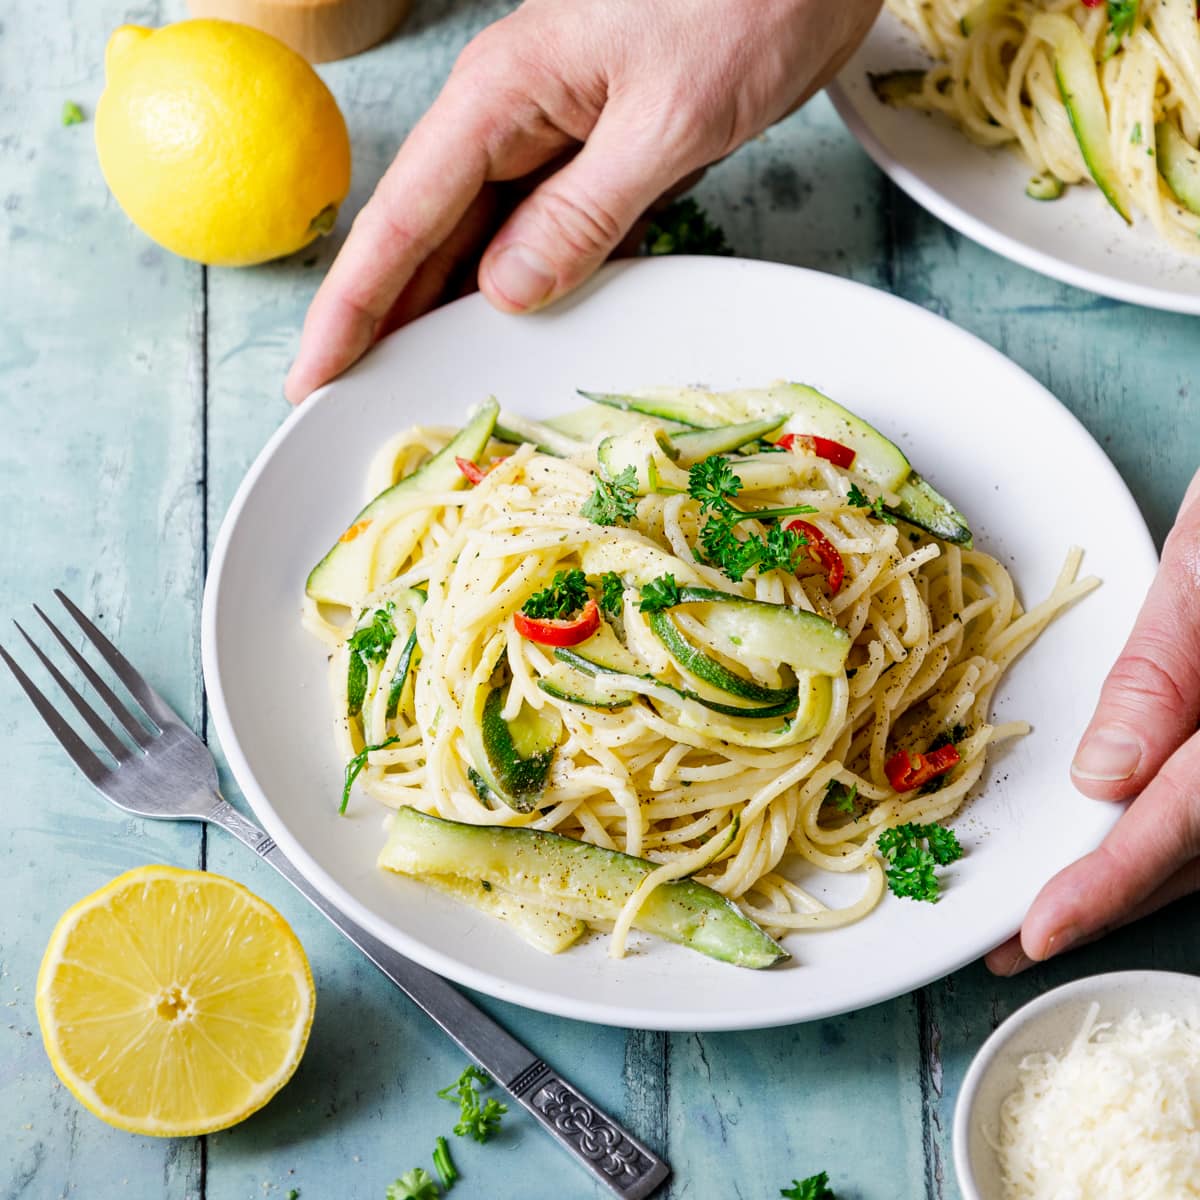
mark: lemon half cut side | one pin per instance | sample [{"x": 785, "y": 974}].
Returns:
[{"x": 174, "y": 1002}]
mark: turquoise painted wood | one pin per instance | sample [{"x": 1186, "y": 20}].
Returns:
[{"x": 135, "y": 389}]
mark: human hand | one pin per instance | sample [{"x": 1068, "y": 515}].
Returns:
[
  {"x": 1142, "y": 745},
  {"x": 600, "y": 107}
]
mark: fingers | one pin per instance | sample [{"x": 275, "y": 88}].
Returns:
[
  {"x": 574, "y": 220},
  {"x": 1146, "y": 861},
  {"x": 421, "y": 199},
  {"x": 1151, "y": 700}
]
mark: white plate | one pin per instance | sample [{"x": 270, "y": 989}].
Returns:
[
  {"x": 981, "y": 192},
  {"x": 1027, "y": 474}
]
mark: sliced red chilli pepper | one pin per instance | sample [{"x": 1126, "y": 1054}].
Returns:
[
  {"x": 551, "y": 632},
  {"x": 822, "y": 551},
  {"x": 473, "y": 472},
  {"x": 827, "y": 448},
  {"x": 907, "y": 769}
]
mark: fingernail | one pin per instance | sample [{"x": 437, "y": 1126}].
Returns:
[
  {"x": 1064, "y": 939},
  {"x": 1107, "y": 756},
  {"x": 521, "y": 276},
  {"x": 1017, "y": 963}
]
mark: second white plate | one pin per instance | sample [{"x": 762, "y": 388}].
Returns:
[
  {"x": 981, "y": 192},
  {"x": 1025, "y": 472}
]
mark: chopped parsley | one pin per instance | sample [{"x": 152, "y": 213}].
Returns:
[
  {"x": 658, "y": 594},
  {"x": 911, "y": 853},
  {"x": 1136, "y": 136},
  {"x": 857, "y": 498},
  {"x": 565, "y": 596},
  {"x": 356, "y": 764},
  {"x": 614, "y": 502},
  {"x": 72, "y": 114},
  {"x": 476, "y": 1120},
  {"x": 413, "y": 1185},
  {"x": 368, "y": 644},
  {"x": 815, "y": 1187},
  {"x": 843, "y": 798},
  {"x": 612, "y": 594},
  {"x": 684, "y": 228},
  {"x": 293, "y": 1194},
  {"x": 1122, "y": 16},
  {"x": 443, "y": 1164}
]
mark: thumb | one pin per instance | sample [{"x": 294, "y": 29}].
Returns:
[
  {"x": 1151, "y": 698},
  {"x": 573, "y": 221}
]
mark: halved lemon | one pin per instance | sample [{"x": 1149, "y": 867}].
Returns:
[{"x": 174, "y": 1002}]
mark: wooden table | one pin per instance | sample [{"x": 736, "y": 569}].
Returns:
[{"x": 136, "y": 388}]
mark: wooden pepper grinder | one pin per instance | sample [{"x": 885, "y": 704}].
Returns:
[{"x": 321, "y": 30}]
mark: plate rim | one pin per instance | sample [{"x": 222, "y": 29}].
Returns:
[
  {"x": 986, "y": 235},
  {"x": 455, "y": 969}
]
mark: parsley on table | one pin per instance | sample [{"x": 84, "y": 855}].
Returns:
[
  {"x": 442, "y": 1163},
  {"x": 72, "y": 114},
  {"x": 612, "y": 594},
  {"x": 658, "y": 594},
  {"x": 565, "y": 596},
  {"x": 413, "y": 1185},
  {"x": 293, "y": 1194},
  {"x": 912, "y": 852},
  {"x": 356, "y": 764},
  {"x": 1122, "y": 16},
  {"x": 815, "y": 1187},
  {"x": 476, "y": 1120},
  {"x": 614, "y": 502},
  {"x": 370, "y": 644},
  {"x": 684, "y": 228},
  {"x": 843, "y": 798}
]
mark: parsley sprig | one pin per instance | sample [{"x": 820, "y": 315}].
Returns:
[
  {"x": 841, "y": 797},
  {"x": 911, "y": 853},
  {"x": 658, "y": 594},
  {"x": 614, "y": 501},
  {"x": 478, "y": 1121},
  {"x": 566, "y": 595},
  {"x": 413, "y": 1185},
  {"x": 1122, "y": 17},
  {"x": 370, "y": 644},
  {"x": 612, "y": 594},
  {"x": 714, "y": 484},
  {"x": 857, "y": 498},
  {"x": 815, "y": 1187}
]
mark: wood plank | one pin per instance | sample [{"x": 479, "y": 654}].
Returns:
[{"x": 100, "y": 487}]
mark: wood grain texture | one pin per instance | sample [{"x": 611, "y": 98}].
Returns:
[{"x": 136, "y": 391}]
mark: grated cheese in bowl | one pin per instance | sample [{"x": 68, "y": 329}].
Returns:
[{"x": 1114, "y": 1117}]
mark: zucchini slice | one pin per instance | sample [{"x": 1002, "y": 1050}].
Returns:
[
  {"x": 693, "y": 445},
  {"x": 576, "y": 687},
  {"x": 1178, "y": 164},
  {"x": 345, "y": 575},
  {"x": 576, "y": 878},
  {"x": 544, "y": 438},
  {"x": 1079, "y": 86},
  {"x": 927, "y": 509}
]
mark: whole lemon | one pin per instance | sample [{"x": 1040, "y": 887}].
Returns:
[{"x": 219, "y": 142}]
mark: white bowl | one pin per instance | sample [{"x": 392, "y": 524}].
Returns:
[{"x": 1048, "y": 1023}]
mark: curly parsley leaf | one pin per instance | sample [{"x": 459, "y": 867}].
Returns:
[
  {"x": 413, "y": 1185},
  {"x": 565, "y": 596},
  {"x": 815, "y": 1187},
  {"x": 658, "y": 594},
  {"x": 911, "y": 853},
  {"x": 684, "y": 228},
  {"x": 841, "y": 797},
  {"x": 614, "y": 501},
  {"x": 1122, "y": 17},
  {"x": 478, "y": 1121},
  {"x": 368, "y": 644},
  {"x": 356, "y": 764},
  {"x": 612, "y": 594},
  {"x": 857, "y": 498},
  {"x": 713, "y": 482},
  {"x": 882, "y": 513}
]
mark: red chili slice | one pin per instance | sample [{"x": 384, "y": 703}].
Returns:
[
  {"x": 822, "y": 551},
  {"x": 553, "y": 632},
  {"x": 907, "y": 769},
  {"x": 827, "y": 448}
]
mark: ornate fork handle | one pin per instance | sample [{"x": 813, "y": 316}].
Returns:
[{"x": 626, "y": 1166}]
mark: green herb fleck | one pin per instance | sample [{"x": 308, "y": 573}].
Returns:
[
  {"x": 293, "y": 1194},
  {"x": 612, "y": 594},
  {"x": 1122, "y": 16},
  {"x": 442, "y": 1163},
  {"x": 1136, "y": 136},
  {"x": 614, "y": 502},
  {"x": 912, "y": 852},
  {"x": 414, "y": 1185},
  {"x": 356, "y": 764},
  {"x": 843, "y": 798},
  {"x": 881, "y": 513},
  {"x": 815, "y": 1187},
  {"x": 368, "y": 644},
  {"x": 562, "y": 599},
  {"x": 658, "y": 594},
  {"x": 475, "y": 1120},
  {"x": 684, "y": 228},
  {"x": 857, "y": 498},
  {"x": 72, "y": 114}
]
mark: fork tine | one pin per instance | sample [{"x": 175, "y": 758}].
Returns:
[
  {"x": 112, "y": 743},
  {"x": 156, "y": 707},
  {"x": 80, "y": 754},
  {"x": 127, "y": 719}
]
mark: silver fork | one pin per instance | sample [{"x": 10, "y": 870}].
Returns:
[{"x": 169, "y": 774}]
